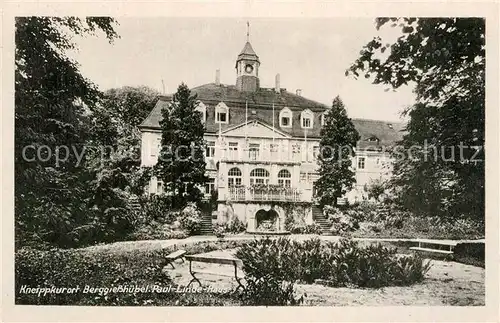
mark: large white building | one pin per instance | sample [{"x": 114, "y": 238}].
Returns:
[{"x": 261, "y": 138}]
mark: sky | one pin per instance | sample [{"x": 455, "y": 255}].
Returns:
[{"x": 309, "y": 54}]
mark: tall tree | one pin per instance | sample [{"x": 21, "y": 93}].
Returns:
[
  {"x": 181, "y": 162},
  {"x": 130, "y": 105},
  {"x": 445, "y": 58},
  {"x": 338, "y": 140},
  {"x": 53, "y": 102}
]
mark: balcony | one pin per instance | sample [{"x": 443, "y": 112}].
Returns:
[{"x": 269, "y": 193}]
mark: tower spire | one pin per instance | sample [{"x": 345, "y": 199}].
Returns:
[{"x": 248, "y": 32}]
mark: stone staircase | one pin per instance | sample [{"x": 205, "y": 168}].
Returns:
[
  {"x": 320, "y": 219},
  {"x": 206, "y": 224}
]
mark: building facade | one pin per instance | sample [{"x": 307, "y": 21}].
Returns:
[{"x": 262, "y": 145}]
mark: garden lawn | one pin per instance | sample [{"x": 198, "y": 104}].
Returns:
[{"x": 446, "y": 283}]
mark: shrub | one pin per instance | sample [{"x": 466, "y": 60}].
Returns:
[
  {"x": 341, "y": 221},
  {"x": 341, "y": 264},
  {"x": 73, "y": 268},
  {"x": 309, "y": 260},
  {"x": 219, "y": 230},
  {"x": 235, "y": 226},
  {"x": 157, "y": 231},
  {"x": 470, "y": 253},
  {"x": 269, "y": 292},
  {"x": 268, "y": 257},
  {"x": 190, "y": 219},
  {"x": 297, "y": 228},
  {"x": 157, "y": 208}
]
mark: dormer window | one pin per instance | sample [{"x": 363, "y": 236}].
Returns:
[
  {"x": 286, "y": 118},
  {"x": 202, "y": 109},
  {"x": 372, "y": 139},
  {"x": 221, "y": 113},
  {"x": 306, "y": 119}
]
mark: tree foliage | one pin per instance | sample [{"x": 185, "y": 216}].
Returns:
[
  {"x": 52, "y": 106},
  {"x": 338, "y": 140},
  {"x": 445, "y": 58},
  {"x": 181, "y": 164},
  {"x": 75, "y": 166}
]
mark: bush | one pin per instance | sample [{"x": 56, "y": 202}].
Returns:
[
  {"x": 157, "y": 208},
  {"x": 269, "y": 292},
  {"x": 103, "y": 267},
  {"x": 313, "y": 228},
  {"x": 471, "y": 253},
  {"x": 373, "y": 266},
  {"x": 190, "y": 219},
  {"x": 235, "y": 226},
  {"x": 341, "y": 264},
  {"x": 73, "y": 268},
  {"x": 157, "y": 231},
  {"x": 394, "y": 223},
  {"x": 219, "y": 230},
  {"x": 341, "y": 221}
]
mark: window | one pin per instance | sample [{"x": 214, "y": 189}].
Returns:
[
  {"x": 361, "y": 162},
  {"x": 259, "y": 176},
  {"x": 221, "y": 113},
  {"x": 323, "y": 119},
  {"x": 159, "y": 187},
  {"x": 234, "y": 177},
  {"x": 210, "y": 186},
  {"x": 306, "y": 123},
  {"x": 221, "y": 117},
  {"x": 286, "y": 118},
  {"x": 233, "y": 150},
  {"x": 210, "y": 149},
  {"x": 284, "y": 178},
  {"x": 253, "y": 151},
  {"x": 306, "y": 119}
]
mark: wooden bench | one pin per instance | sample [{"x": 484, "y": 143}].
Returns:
[
  {"x": 424, "y": 245},
  {"x": 235, "y": 262},
  {"x": 179, "y": 254}
]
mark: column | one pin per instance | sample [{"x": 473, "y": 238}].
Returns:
[
  {"x": 222, "y": 181},
  {"x": 245, "y": 180}
]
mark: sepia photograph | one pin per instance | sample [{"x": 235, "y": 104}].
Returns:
[{"x": 250, "y": 161}]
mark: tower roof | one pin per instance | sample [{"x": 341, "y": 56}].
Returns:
[
  {"x": 248, "y": 49},
  {"x": 248, "y": 53}
]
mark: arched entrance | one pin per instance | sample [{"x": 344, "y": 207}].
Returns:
[{"x": 266, "y": 220}]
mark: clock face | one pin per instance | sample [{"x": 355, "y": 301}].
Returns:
[{"x": 248, "y": 68}]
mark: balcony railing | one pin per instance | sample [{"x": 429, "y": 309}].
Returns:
[{"x": 264, "y": 193}]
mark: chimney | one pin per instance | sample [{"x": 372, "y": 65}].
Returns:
[
  {"x": 298, "y": 92},
  {"x": 277, "y": 84},
  {"x": 217, "y": 77}
]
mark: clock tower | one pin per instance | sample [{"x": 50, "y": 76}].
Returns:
[{"x": 247, "y": 69}]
